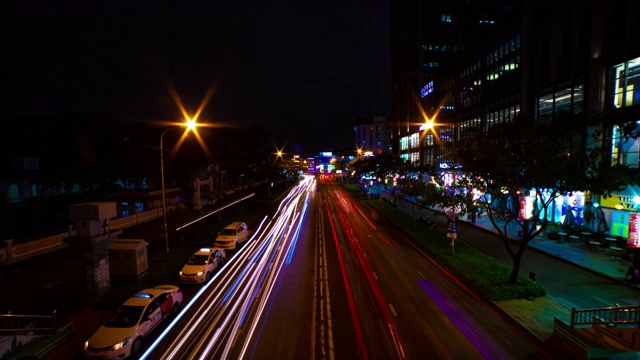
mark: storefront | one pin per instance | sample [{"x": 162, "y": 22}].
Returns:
[
  {"x": 621, "y": 213},
  {"x": 560, "y": 207}
]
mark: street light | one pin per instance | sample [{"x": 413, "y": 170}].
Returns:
[{"x": 190, "y": 125}]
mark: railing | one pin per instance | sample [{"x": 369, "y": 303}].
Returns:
[
  {"x": 13, "y": 323},
  {"x": 614, "y": 315},
  {"x": 14, "y": 253}
]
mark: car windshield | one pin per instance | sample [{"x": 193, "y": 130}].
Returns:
[
  {"x": 198, "y": 260},
  {"x": 228, "y": 232},
  {"x": 125, "y": 317}
]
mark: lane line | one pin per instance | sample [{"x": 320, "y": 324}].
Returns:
[{"x": 393, "y": 311}]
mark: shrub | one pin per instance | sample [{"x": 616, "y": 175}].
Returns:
[
  {"x": 489, "y": 277},
  {"x": 352, "y": 187}
]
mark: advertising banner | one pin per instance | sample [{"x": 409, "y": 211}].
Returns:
[
  {"x": 526, "y": 207},
  {"x": 620, "y": 223},
  {"x": 452, "y": 224},
  {"x": 634, "y": 227}
]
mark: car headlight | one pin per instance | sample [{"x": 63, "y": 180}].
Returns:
[
  {"x": 200, "y": 273},
  {"x": 120, "y": 344}
]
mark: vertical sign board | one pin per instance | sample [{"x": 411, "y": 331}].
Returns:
[
  {"x": 452, "y": 224},
  {"x": 526, "y": 208},
  {"x": 620, "y": 223},
  {"x": 634, "y": 227},
  {"x": 523, "y": 208}
]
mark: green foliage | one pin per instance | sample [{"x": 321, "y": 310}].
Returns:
[
  {"x": 488, "y": 276},
  {"x": 553, "y": 228},
  {"x": 352, "y": 187}
]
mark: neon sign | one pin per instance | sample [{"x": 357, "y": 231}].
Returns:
[{"x": 426, "y": 90}]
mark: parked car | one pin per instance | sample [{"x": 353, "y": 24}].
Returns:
[
  {"x": 122, "y": 334},
  {"x": 202, "y": 264},
  {"x": 231, "y": 235}
]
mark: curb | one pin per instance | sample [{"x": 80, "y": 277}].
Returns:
[{"x": 620, "y": 281}]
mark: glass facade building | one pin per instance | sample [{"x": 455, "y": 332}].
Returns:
[{"x": 472, "y": 65}]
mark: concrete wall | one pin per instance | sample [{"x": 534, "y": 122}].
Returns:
[{"x": 11, "y": 253}]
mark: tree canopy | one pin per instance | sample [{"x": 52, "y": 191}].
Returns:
[{"x": 541, "y": 159}]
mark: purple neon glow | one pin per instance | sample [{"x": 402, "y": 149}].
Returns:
[{"x": 476, "y": 336}]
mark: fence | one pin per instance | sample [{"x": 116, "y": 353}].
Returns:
[
  {"x": 11, "y": 253},
  {"x": 12, "y": 323},
  {"x": 615, "y": 315}
]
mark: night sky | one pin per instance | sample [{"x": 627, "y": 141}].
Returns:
[{"x": 303, "y": 69}]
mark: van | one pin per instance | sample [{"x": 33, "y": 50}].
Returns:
[{"x": 229, "y": 237}]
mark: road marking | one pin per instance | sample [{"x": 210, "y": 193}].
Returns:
[
  {"x": 393, "y": 311},
  {"x": 321, "y": 323}
]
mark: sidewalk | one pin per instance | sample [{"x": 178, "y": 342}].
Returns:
[
  {"x": 557, "y": 265},
  {"x": 603, "y": 262},
  {"x": 599, "y": 261}
]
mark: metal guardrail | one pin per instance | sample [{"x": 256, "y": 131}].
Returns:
[
  {"x": 615, "y": 315},
  {"x": 13, "y": 322}
]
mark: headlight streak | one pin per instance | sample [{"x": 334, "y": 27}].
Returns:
[
  {"x": 295, "y": 236},
  {"x": 292, "y": 215},
  {"x": 244, "y": 286},
  {"x": 274, "y": 276},
  {"x": 214, "y": 211},
  {"x": 184, "y": 335},
  {"x": 199, "y": 293}
]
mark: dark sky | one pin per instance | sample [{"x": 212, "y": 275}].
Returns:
[{"x": 302, "y": 69}]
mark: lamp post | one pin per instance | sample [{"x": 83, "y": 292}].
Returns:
[{"x": 189, "y": 125}]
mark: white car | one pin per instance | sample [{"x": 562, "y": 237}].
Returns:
[
  {"x": 231, "y": 235},
  {"x": 202, "y": 264},
  {"x": 121, "y": 335}
]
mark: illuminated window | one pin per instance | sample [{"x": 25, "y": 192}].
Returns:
[
  {"x": 562, "y": 99},
  {"x": 428, "y": 140},
  {"x": 624, "y": 151},
  {"x": 413, "y": 140},
  {"x": 404, "y": 143},
  {"x": 625, "y": 83}
]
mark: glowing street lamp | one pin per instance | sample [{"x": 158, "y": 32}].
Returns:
[
  {"x": 189, "y": 125},
  {"x": 428, "y": 125}
]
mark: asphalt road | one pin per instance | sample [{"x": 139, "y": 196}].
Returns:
[
  {"x": 406, "y": 305},
  {"x": 227, "y": 318},
  {"x": 355, "y": 285}
]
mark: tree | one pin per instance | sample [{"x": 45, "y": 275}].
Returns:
[
  {"x": 415, "y": 189},
  {"x": 545, "y": 160}
]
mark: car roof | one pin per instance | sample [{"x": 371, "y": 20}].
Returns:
[
  {"x": 234, "y": 225},
  {"x": 207, "y": 251},
  {"x": 143, "y": 297}
]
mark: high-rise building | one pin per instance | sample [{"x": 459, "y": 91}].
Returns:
[
  {"x": 372, "y": 135},
  {"x": 469, "y": 65},
  {"x": 432, "y": 44}
]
